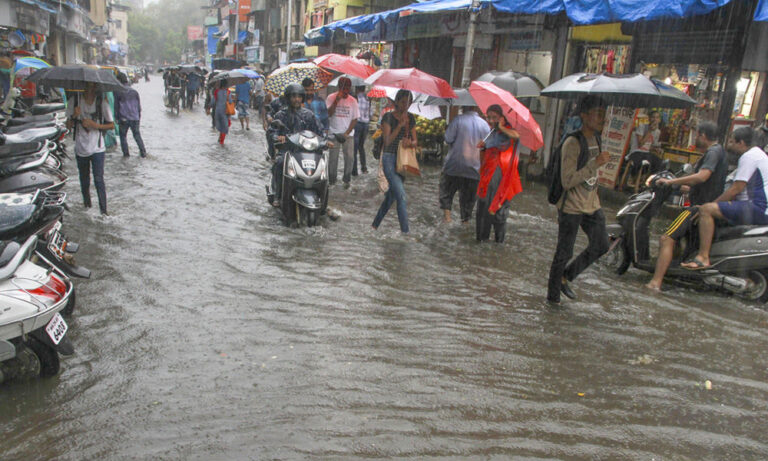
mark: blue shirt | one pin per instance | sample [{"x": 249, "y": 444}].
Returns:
[
  {"x": 463, "y": 134},
  {"x": 318, "y": 107},
  {"x": 193, "y": 82},
  {"x": 243, "y": 92},
  {"x": 127, "y": 105}
]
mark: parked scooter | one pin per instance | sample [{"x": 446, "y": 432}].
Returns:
[
  {"x": 33, "y": 297},
  {"x": 40, "y": 213},
  {"x": 739, "y": 254},
  {"x": 304, "y": 180}
]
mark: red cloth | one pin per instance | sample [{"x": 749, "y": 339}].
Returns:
[{"x": 510, "y": 184}]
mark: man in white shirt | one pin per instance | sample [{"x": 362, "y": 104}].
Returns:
[
  {"x": 89, "y": 116},
  {"x": 752, "y": 175},
  {"x": 343, "y": 113}
]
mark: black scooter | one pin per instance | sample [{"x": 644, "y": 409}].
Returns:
[
  {"x": 304, "y": 178},
  {"x": 739, "y": 254}
]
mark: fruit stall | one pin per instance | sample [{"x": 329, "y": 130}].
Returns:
[{"x": 431, "y": 135}]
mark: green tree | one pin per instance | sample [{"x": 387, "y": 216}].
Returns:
[{"x": 159, "y": 32}]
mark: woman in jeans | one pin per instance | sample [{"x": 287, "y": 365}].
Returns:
[{"x": 395, "y": 126}]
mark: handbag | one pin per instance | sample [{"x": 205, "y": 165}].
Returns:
[
  {"x": 230, "y": 110},
  {"x": 407, "y": 163},
  {"x": 382, "y": 179}
]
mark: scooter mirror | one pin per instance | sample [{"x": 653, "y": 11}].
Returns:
[{"x": 687, "y": 168}]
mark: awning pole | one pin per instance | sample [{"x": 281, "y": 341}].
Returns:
[
  {"x": 288, "y": 34},
  {"x": 469, "y": 47}
]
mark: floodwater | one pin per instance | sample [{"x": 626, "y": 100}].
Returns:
[{"x": 211, "y": 331}]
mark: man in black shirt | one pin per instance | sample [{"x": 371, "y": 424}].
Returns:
[{"x": 705, "y": 184}]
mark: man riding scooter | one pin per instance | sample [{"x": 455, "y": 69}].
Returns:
[
  {"x": 705, "y": 185},
  {"x": 295, "y": 117},
  {"x": 752, "y": 175}
]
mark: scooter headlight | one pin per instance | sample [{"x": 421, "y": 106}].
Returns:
[{"x": 309, "y": 144}]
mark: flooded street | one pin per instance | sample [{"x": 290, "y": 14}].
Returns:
[{"x": 209, "y": 330}]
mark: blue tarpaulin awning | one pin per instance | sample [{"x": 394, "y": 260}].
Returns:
[
  {"x": 581, "y": 12},
  {"x": 213, "y": 42},
  {"x": 242, "y": 36}
]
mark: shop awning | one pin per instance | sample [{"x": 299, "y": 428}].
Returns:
[
  {"x": 41, "y": 5},
  {"x": 582, "y": 12}
]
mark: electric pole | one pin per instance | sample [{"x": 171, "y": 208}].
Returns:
[{"x": 469, "y": 46}]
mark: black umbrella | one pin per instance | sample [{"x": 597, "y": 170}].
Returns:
[
  {"x": 232, "y": 77},
  {"x": 520, "y": 84},
  {"x": 463, "y": 99},
  {"x": 627, "y": 90},
  {"x": 190, "y": 69},
  {"x": 75, "y": 77}
]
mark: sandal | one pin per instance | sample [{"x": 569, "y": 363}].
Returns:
[{"x": 695, "y": 265}]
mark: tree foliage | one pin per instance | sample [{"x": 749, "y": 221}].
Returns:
[{"x": 158, "y": 33}]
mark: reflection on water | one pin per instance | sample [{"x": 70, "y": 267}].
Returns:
[{"x": 211, "y": 331}]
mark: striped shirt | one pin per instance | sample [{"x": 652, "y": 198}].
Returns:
[{"x": 364, "y": 106}]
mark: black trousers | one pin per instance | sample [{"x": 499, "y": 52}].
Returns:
[
  {"x": 467, "y": 188},
  {"x": 568, "y": 227}
]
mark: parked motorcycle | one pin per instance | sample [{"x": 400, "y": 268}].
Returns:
[
  {"x": 33, "y": 296},
  {"x": 304, "y": 180},
  {"x": 739, "y": 254}
]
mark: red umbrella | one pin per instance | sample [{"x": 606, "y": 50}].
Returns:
[
  {"x": 486, "y": 94},
  {"x": 412, "y": 79},
  {"x": 344, "y": 64},
  {"x": 377, "y": 92}
]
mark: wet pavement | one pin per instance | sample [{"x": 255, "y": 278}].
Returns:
[{"x": 211, "y": 331}]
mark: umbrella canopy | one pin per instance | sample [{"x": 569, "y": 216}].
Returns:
[
  {"x": 344, "y": 64},
  {"x": 295, "y": 73},
  {"x": 521, "y": 85},
  {"x": 29, "y": 64},
  {"x": 250, "y": 73},
  {"x": 412, "y": 79},
  {"x": 486, "y": 94},
  {"x": 232, "y": 77},
  {"x": 75, "y": 77},
  {"x": 628, "y": 90},
  {"x": 356, "y": 81},
  {"x": 227, "y": 64},
  {"x": 463, "y": 98},
  {"x": 419, "y": 105},
  {"x": 190, "y": 69}
]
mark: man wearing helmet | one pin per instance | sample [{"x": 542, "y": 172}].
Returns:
[{"x": 296, "y": 118}]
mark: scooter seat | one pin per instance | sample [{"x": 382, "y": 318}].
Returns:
[
  {"x": 27, "y": 126},
  {"x": 16, "y": 121},
  {"x": 20, "y": 149},
  {"x": 16, "y": 210},
  {"x": 39, "y": 109},
  {"x": 732, "y": 232},
  {"x": 31, "y": 135}
]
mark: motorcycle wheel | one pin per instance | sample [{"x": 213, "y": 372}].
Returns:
[
  {"x": 305, "y": 216},
  {"x": 760, "y": 291},
  {"x": 70, "y": 307},
  {"x": 49, "y": 358},
  {"x": 617, "y": 259}
]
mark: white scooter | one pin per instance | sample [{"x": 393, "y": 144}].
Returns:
[{"x": 33, "y": 296}]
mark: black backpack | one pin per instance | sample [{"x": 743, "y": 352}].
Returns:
[{"x": 553, "y": 171}]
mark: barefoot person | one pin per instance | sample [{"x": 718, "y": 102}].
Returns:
[{"x": 752, "y": 175}]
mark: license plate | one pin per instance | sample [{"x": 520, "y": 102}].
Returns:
[
  {"x": 56, "y": 328},
  {"x": 308, "y": 164},
  {"x": 56, "y": 241}
]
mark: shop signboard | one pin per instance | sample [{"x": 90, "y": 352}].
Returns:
[
  {"x": 210, "y": 21},
  {"x": 195, "y": 33},
  {"x": 243, "y": 8},
  {"x": 615, "y": 139},
  {"x": 253, "y": 54},
  {"x": 523, "y": 39}
]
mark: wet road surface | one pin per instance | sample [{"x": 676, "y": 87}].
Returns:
[{"x": 211, "y": 331}]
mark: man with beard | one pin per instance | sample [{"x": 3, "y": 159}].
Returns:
[{"x": 705, "y": 185}]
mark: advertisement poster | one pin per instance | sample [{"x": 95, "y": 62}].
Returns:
[
  {"x": 244, "y": 7},
  {"x": 195, "y": 33},
  {"x": 618, "y": 126}
]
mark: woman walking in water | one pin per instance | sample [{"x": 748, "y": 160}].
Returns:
[{"x": 221, "y": 119}]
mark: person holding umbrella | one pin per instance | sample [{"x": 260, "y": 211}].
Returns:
[
  {"x": 89, "y": 117},
  {"x": 396, "y": 126},
  {"x": 221, "y": 119},
  {"x": 579, "y": 206}
]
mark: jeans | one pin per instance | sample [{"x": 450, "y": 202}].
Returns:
[
  {"x": 396, "y": 192},
  {"x": 568, "y": 227},
  {"x": 361, "y": 132},
  {"x": 347, "y": 147},
  {"x": 84, "y": 165},
  {"x": 134, "y": 126}
]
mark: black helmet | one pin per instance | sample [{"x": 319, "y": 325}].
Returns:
[{"x": 294, "y": 88}]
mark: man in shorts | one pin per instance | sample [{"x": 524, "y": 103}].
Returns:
[
  {"x": 705, "y": 184},
  {"x": 752, "y": 175}
]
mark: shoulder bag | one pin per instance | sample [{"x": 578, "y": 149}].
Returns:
[
  {"x": 407, "y": 163},
  {"x": 230, "y": 106}
]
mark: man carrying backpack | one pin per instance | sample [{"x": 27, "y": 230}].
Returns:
[{"x": 579, "y": 205}]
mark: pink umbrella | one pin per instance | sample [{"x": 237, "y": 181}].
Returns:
[
  {"x": 486, "y": 94},
  {"x": 412, "y": 79},
  {"x": 344, "y": 64}
]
